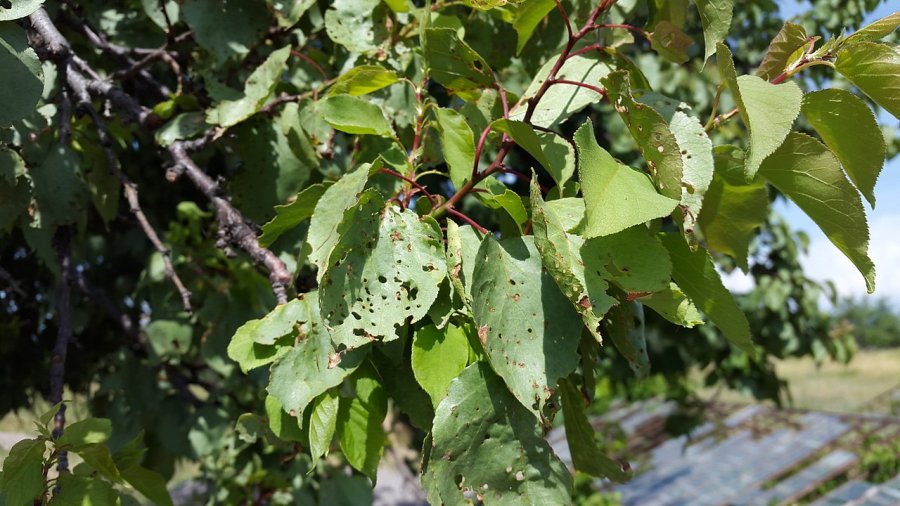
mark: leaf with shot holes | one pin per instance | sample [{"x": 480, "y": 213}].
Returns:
[
  {"x": 312, "y": 365},
  {"x": 529, "y": 329},
  {"x": 561, "y": 257},
  {"x": 386, "y": 269},
  {"x": 462, "y": 247},
  {"x": 484, "y": 443},
  {"x": 651, "y": 132}
]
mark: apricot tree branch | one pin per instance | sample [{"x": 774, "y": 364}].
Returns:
[{"x": 234, "y": 228}]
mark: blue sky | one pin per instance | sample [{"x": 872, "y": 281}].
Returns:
[{"x": 824, "y": 260}]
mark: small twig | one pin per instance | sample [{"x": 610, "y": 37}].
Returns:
[
  {"x": 587, "y": 49},
  {"x": 565, "y": 16},
  {"x": 131, "y": 193},
  {"x": 62, "y": 245},
  {"x": 466, "y": 219},
  {"x": 162, "y": 7},
  {"x": 312, "y": 63},
  {"x": 636, "y": 29},
  {"x": 13, "y": 284},
  {"x": 524, "y": 177},
  {"x": 413, "y": 182},
  {"x": 580, "y": 84},
  {"x": 234, "y": 228}
]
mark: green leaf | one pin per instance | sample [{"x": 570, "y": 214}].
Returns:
[
  {"x": 355, "y": 115},
  {"x": 312, "y": 366},
  {"x": 284, "y": 425},
  {"x": 499, "y": 196},
  {"x": 131, "y": 454},
  {"x": 290, "y": 215},
  {"x": 562, "y": 100},
  {"x": 15, "y": 187},
  {"x": 438, "y": 356},
  {"x": 226, "y": 28},
  {"x": 274, "y": 167},
  {"x": 257, "y": 89},
  {"x": 385, "y": 270},
  {"x": 527, "y": 17},
  {"x": 768, "y": 110},
  {"x": 149, "y": 483},
  {"x": 849, "y": 129},
  {"x": 455, "y": 65},
  {"x": 363, "y": 80},
  {"x": 715, "y": 15},
  {"x": 252, "y": 343},
  {"x": 649, "y": 129},
  {"x": 184, "y": 126},
  {"x": 462, "y": 250},
  {"x": 359, "y": 420},
  {"x": 485, "y": 443},
  {"x": 732, "y": 212},
  {"x": 400, "y": 383},
  {"x": 527, "y": 327},
  {"x": 46, "y": 417},
  {"x": 771, "y": 110},
  {"x": 560, "y": 154},
  {"x": 784, "y": 51},
  {"x": 17, "y": 9},
  {"x": 877, "y": 29},
  {"x": 486, "y": 5},
  {"x": 328, "y": 213},
  {"x": 810, "y": 175},
  {"x": 633, "y": 259},
  {"x": 875, "y": 69},
  {"x": 673, "y": 305},
  {"x": 523, "y": 134},
  {"x": 353, "y": 24},
  {"x": 322, "y": 423},
  {"x": 458, "y": 143},
  {"x": 587, "y": 457},
  {"x": 561, "y": 257},
  {"x": 569, "y": 211},
  {"x": 77, "y": 490},
  {"x": 615, "y": 196},
  {"x": 696, "y": 274},
  {"x": 22, "y": 79},
  {"x": 670, "y": 42},
  {"x": 22, "y": 479},
  {"x": 289, "y": 12},
  {"x": 250, "y": 427},
  {"x": 98, "y": 457},
  {"x": 85, "y": 432}
]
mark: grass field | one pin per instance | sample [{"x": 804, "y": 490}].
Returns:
[{"x": 850, "y": 388}]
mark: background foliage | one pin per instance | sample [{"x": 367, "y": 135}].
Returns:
[{"x": 191, "y": 195}]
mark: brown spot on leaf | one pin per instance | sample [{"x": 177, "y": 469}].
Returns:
[
  {"x": 636, "y": 295},
  {"x": 585, "y": 303},
  {"x": 483, "y": 334},
  {"x": 334, "y": 360}
]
